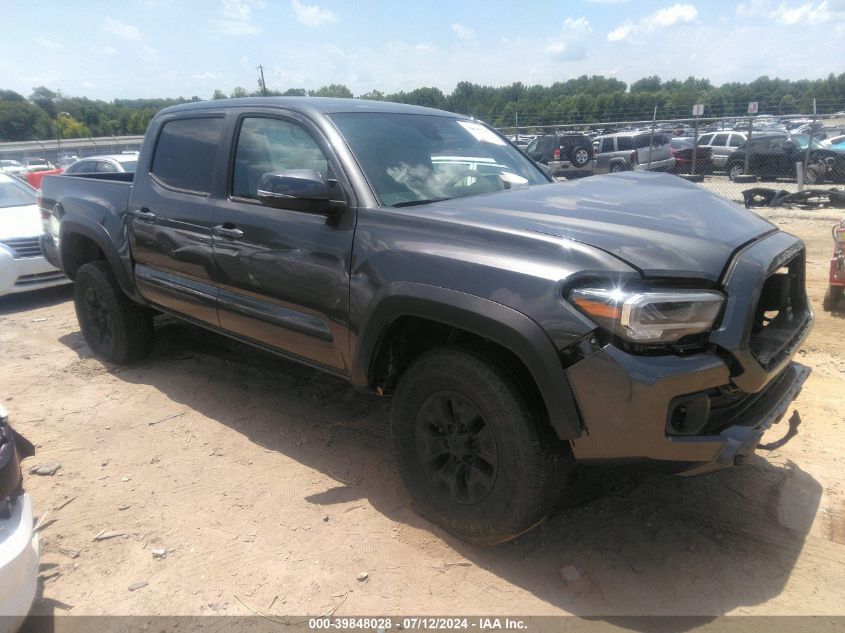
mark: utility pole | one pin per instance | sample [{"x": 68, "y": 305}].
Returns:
[{"x": 261, "y": 81}]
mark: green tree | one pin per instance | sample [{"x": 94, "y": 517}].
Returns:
[{"x": 333, "y": 90}]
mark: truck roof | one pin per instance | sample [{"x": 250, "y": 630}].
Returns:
[{"x": 311, "y": 105}]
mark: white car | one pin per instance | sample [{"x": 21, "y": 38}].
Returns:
[
  {"x": 19, "y": 547},
  {"x": 834, "y": 141},
  {"x": 22, "y": 265},
  {"x": 13, "y": 167}
]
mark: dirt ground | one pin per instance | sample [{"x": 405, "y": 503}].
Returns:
[{"x": 272, "y": 487}]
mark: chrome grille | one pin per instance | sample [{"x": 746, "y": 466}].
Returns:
[{"x": 23, "y": 247}]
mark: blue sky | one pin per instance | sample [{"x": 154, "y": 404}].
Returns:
[{"x": 169, "y": 48}]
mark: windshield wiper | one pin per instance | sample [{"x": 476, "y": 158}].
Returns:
[{"x": 413, "y": 203}]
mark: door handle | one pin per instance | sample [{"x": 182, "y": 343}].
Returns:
[
  {"x": 230, "y": 232},
  {"x": 144, "y": 214}
]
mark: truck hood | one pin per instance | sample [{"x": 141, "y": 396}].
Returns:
[{"x": 658, "y": 223}]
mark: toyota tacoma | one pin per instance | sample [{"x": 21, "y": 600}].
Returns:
[{"x": 520, "y": 325}]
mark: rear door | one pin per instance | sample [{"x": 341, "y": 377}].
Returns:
[
  {"x": 284, "y": 275},
  {"x": 172, "y": 211},
  {"x": 604, "y": 153},
  {"x": 720, "y": 148}
]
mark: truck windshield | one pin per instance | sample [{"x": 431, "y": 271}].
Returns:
[
  {"x": 15, "y": 194},
  {"x": 412, "y": 159}
]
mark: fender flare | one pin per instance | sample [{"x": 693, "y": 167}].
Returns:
[
  {"x": 98, "y": 234},
  {"x": 498, "y": 323}
]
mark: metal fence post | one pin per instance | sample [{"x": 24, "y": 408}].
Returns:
[
  {"x": 694, "y": 146},
  {"x": 809, "y": 141},
  {"x": 651, "y": 138},
  {"x": 748, "y": 143}
]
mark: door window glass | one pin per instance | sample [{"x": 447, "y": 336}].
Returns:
[
  {"x": 720, "y": 140},
  {"x": 273, "y": 145},
  {"x": 184, "y": 154},
  {"x": 705, "y": 139},
  {"x": 736, "y": 140},
  {"x": 105, "y": 167},
  {"x": 606, "y": 145},
  {"x": 624, "y": 143}
]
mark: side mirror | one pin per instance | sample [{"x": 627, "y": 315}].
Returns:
[
  {"x": 544, "y": 168},
  {"x": 298, "y": 190}
]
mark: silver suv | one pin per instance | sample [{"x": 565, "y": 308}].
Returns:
[
  {"x": 723, "y": 145},
  {"x": 630, "y": 150}
]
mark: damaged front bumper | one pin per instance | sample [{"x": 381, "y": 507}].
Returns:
[
  {"x": 701, "y": 412},
  {"x": 636, "y": 427}
]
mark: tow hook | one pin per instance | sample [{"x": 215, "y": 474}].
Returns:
[{"x": 794, "y": 422}]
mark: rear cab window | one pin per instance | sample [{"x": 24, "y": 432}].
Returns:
[{"x": 185, "y": 153}]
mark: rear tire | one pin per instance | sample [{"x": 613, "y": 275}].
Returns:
[
  {"x": 115, "y": 328},
  {"x": 471, "y": 451},
  {"x": 616, "y": 168},
  {"x": 832, "y": 297},
  {"x": 734, "y": 170}
]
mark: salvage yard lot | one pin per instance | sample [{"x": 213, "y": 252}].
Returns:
[{"x": 272, "y": 488}]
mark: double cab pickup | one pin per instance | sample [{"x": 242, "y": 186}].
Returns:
[{"x": 520, "y": 325}]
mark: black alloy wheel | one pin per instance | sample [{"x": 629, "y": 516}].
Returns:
[{"x": 457, "y": 447}]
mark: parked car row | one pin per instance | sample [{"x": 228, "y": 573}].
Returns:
[
  {"x": 775, "y": 156},
  {"x": 575, "y": 155}
]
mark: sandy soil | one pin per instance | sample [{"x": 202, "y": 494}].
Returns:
[{"x": 272, "y": 487}]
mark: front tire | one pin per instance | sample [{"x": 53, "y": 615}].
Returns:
[
  {"x": 471, "y": 451},
  {"x": 114, "y": 327},
  {"x": 814, "y": 175}
]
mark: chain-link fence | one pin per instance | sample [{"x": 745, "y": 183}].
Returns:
[{"x": 728, "y": 156}]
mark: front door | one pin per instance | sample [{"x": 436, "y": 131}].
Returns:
[
  {"x": 171, "y": 218},
  {"x": 284, "y": 275}
]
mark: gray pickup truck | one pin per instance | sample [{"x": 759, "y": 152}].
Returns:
[{"x": 520, "y": 325}]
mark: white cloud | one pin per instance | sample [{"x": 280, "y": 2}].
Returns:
[
  {"x": 50, "y": 45},
  {"x": 621, "y": 33},
  {"x": 311, "y": 15},
  {"x": 464, "y": 33},
  {"x": 676, "y": 14},
  {"x": 825, "y": 12},
  {"x": 573, "y": 42},
  {"x": 236, "y": 19},
  {"x": 121, "y": 30}
]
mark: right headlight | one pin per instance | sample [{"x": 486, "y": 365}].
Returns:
[{"x": 650, "y": 316}]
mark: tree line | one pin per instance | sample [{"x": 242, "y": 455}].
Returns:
[{"x": 46, "y": 114}]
